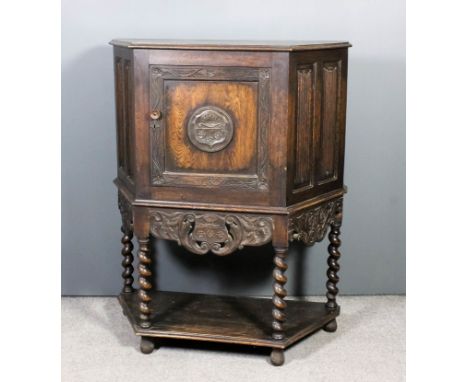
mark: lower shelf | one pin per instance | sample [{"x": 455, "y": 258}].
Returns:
[{"x": 238, "y": 320}]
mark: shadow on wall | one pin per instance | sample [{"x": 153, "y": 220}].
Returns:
[
  {"x": 88, "y": 134},
  {"x": 90, "y": 218},
  {"x": 242, "y": 270}
]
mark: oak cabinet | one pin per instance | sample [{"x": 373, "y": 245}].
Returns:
[{"x": 221, "y": 146}]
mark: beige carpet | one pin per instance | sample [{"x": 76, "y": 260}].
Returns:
[{"x": 98, "y": 345}]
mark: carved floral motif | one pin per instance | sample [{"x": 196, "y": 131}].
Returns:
[
  {"x": 311, "y": 226},
  {"x": 203, "y": 232}
]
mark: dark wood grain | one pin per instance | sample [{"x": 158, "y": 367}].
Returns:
[
  {"x": 126, "y": 213},
  {"x": 316, "y": 147},
  {"x": 311, "y": 226},
  {"x": 145, "y": 281},
  {"x": 123, "y": 75},
  {"x": 239, "y": 320},
  {"x": 279, "y": 303},
  {"x": 119, "y": 107},
  {"x": 334, "y": 256},
  {"x": 327, "y": 137},
  {"x": 229, "y": 45},
  {"x": 236, "y": 98},
  {"x": 221, "y": 146},
  {"x": 146, "y": 345},
  {"x": 241, "y": 94},
  {"x": 127, "y": 262},
  {"x": 306, "y": 87},
  {"x": 222, "y": 234}
]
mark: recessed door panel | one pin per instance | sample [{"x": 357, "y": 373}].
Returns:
[
  {"x": 124, "y": 107},
  {"x": 327, "y": 134},
  {"x": 319, "y": 120},
  {"x": 213, "y": 122},
  {"x": 211, "y": 127}
]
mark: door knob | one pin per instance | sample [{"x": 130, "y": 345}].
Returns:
[{"x": 156, "y": 114}]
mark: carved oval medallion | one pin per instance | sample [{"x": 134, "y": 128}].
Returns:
[{"x": 210, "y": 128}]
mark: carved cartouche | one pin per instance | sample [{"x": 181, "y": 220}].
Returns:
[{"x": 221, "y": 234}]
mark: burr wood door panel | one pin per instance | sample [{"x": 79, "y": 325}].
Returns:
[{"x": 209, "y": 126}]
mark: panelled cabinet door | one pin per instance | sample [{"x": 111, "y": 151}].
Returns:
[
  {"x": 124, "y": 117},
  {"x": 320, "y": 106},
  {"x": 209, "y": 126}
]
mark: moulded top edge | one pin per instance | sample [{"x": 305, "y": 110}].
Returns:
[{"x": 280, "y": 46}]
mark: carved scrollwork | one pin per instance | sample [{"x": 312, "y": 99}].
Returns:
[
  {"x": 221, "y": 234},
  {"x": 161, "y": 73},
  {"x": 126, "y": 212},
  {"x": 196, "y": 72},
  {"x": 311, "y": 226}
]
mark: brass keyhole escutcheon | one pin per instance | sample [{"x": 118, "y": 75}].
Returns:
[{"x": 156, "y": 115}]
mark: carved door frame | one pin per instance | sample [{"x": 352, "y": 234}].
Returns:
[{"x": 161, "y": 177}]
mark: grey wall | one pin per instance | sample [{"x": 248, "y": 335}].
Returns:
[{"x": 374, "y": 228}]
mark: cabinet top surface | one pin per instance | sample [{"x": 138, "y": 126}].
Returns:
[{"x": 229, "y": 45}]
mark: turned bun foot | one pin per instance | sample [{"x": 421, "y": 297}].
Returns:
[
  {"x": 277, "y": 357},
  {"x": 331, "y": 326},
  {"x": 146, "y": 345}
]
